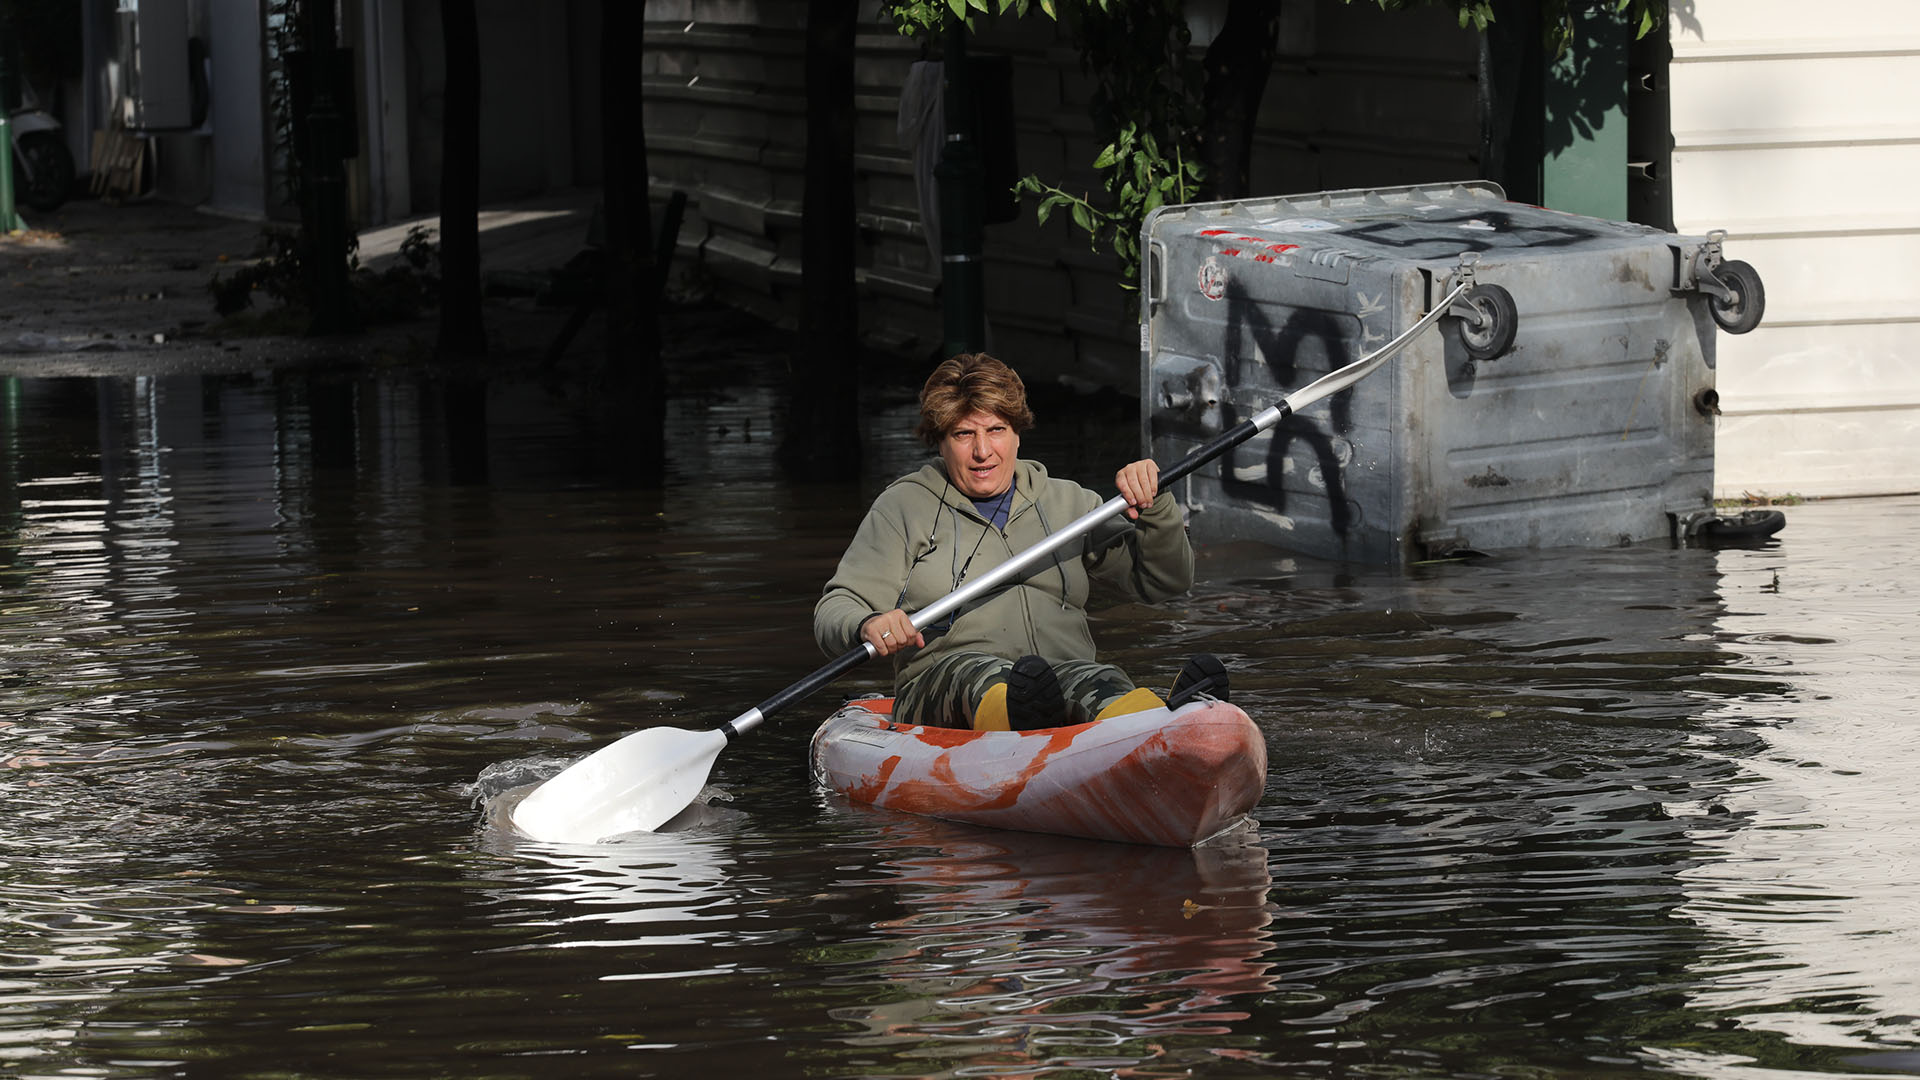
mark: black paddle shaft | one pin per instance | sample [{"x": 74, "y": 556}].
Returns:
[
  {"x": 840, "y": 665},
  {"x": 1219, "y": 444}
]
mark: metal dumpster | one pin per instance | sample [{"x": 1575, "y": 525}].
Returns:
[{"x": 1567, "y": 400}]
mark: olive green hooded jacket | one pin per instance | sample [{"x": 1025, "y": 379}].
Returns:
[{"x": 922, "y": 539}]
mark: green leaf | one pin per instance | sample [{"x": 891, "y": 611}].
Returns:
[
  {"x": 959, "y": 8},
  {"x": 1083, "y": 216},
  {"x": 1108, "y": 156},
  {"x": 980, "y": 6},
  {"x": 1047, "y": 6}
]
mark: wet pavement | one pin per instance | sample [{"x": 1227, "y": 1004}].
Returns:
[{"x": 96, "y": 288}]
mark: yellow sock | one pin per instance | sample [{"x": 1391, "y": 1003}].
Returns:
[
  {"x": 991, "y": 713},
  {"x": 1139, "y": 699}
]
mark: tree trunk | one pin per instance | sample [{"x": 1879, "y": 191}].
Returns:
[
  {"x": 1237, "y": 65},
  {"x": 823, "y": 431},
  {"x": 461, "y": 331},
  {"x": 635, "y": 374}
]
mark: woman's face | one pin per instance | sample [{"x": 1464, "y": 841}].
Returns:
[{"x": 980, "y": 452}]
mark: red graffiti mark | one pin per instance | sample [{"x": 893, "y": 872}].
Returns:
[
  {"x": 1260, "y": 251},
  {"x": 1257, "y": 241}
]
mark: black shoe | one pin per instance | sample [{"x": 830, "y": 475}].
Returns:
[
  {"x": 1204, "y": 674},
  {"x": 1034, "y": 700}
]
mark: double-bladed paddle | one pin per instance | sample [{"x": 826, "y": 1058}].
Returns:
[{"x": 640, "y": 782}]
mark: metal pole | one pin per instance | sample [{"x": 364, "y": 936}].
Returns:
[{"x": 9, "y": 218}]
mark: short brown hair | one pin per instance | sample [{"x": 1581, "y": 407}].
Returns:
[{"x": 967, "y": 384}]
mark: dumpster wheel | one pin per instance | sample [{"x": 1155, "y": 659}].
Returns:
[
  {"x": 1488, "y": 321},
  {"x": 1747, "y": 297}
]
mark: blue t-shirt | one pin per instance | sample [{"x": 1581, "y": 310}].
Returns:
[{"x": 995, "y": 508}]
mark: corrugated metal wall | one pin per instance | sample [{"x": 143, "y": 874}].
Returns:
[
  {"x": 1800, "y": 135},
  {"x": 1358, "y": 98}
]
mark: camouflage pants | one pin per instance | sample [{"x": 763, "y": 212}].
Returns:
[{"x": 946, "y": 694}]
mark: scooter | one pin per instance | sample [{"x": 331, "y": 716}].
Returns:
[{"x": 42, "y": 164}]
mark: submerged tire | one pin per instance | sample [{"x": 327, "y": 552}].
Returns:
[{"x": 1745, "y": 527}]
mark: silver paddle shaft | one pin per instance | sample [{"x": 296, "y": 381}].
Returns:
[{"x": 1331, "y": 383}]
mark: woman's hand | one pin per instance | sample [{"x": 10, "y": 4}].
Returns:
[
  {"x": 891, "y": 631},
  {"x": 1138, "y": 484}
]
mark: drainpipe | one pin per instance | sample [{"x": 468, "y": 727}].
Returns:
[{"x": 9, "y": 220}]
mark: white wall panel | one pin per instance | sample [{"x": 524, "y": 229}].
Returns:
[{"x": 1802, "y": 140}]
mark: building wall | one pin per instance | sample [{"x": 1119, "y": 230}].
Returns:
[
  {"x": 1801, "y": 138},
  {"x": 1359, "y": 98},
  {"x": 534, "y": 107},
  {"x": 237, "y": 110},
  {"x": 724, "y": 88}
]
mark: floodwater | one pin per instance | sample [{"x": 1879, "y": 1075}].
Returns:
[{"x": 270, "y": 644}]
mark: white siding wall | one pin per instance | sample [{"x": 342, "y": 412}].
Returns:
[{"x": 1800, "y": 135}]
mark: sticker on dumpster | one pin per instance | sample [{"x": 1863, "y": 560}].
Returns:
[
  {"x": 1213, "y": 279},
  {"x": 1301, "y": 225},
  {"x": 1253, "y": 248}
]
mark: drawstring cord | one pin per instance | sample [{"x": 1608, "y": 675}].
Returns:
[
  {"x": 959, "y": 575},
  {"x": 1006, "y": 507}
]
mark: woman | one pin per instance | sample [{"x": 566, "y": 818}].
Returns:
[{"x": 1023, "y": 657}]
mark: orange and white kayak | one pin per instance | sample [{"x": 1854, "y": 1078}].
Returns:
[{"x": 1166, "y": 777}]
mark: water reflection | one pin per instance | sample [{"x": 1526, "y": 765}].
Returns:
[
  {"x": 1624, "y": 812},
  {"x": 656, "y": 888},
  {"x": 1020, "y": 953},
  {"x": 1813, "y": 901}
]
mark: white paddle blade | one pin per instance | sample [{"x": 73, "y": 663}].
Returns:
[{"x": 635, "y": 785}]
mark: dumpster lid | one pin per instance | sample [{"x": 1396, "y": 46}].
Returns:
[{"x": 1415, "y": 223}]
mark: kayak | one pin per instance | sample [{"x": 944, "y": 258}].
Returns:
[{"x": 1171, "y": 778}]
